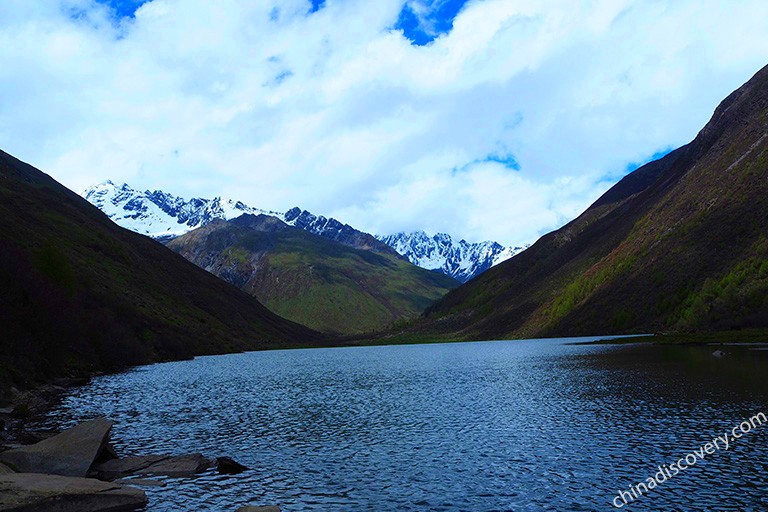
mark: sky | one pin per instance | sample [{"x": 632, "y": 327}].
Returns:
[{"x": 485, "y": 119}]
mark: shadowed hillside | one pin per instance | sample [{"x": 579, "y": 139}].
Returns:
[
  {"x": 79, "y": 293},
  {"x": 680, "y": 244}
]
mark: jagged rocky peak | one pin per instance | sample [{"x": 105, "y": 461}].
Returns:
[
  {"x": 334, "y": 230},
  {"x": 459, "y": 259},
  {"x": 159, "y": 214},
  {"x": 163, "y": 216}
]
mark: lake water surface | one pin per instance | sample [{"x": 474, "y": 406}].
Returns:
[{"x": 489, "y": 426}]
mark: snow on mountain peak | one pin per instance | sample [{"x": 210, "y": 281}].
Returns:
[
  {"x": 459, "y": 259},
  {"x": 162, "y": 215}
]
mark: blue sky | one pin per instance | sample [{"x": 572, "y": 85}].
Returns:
[
  {"x": 124, "y": 8},
  {"x": 486, "y": 119},
  {"x": 420, "y": 21}
]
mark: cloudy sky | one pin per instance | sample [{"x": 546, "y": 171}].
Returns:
[{"x": 486, "y": 119}]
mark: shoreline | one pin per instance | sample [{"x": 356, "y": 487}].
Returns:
[
  {"x": 22, "y": 407},
  {"x": 756, "y": 337}
]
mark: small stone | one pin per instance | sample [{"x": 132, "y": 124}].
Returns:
[
  {"x": 718, "y": 354},
  {"x": 227, "y": 466}
]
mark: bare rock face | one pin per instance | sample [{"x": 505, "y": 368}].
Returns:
[
  {"x": 70, "y": 453},
  {"x": 182, "y": 465},
  {"x": 28, "y": 492}
]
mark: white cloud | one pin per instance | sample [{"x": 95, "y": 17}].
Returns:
[{"x": 339, "y": 113}]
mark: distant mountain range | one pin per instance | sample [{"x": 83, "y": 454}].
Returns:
[
  {"x": 164, "y": 216},
  {"x": 679, "y": 245},
  {"x": 459, "y": 259}
]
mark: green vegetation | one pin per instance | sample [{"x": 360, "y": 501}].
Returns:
[
  {"x": 731, "y": 298},
  {"x": 584, "y": 285},
  {"x": 679, "y": 245},
  {"x": 311, "y": 280}
]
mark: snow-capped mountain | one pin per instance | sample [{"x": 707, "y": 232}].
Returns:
[
  {"x": 459, "y": 259},
  {"x": 336, "y": 231},
  {"x": 163, "y": 216}
]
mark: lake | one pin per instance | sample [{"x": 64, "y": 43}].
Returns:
[{"x": 486, "y": 426}]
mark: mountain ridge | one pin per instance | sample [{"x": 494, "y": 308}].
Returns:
[
  {"x": 79, "y": 294},
  {"x": 679, "y": 244},
  {"x": 311, "y": 279},
  {"x": 461, "y": 260},
  {"x": 164, "y": 216}
]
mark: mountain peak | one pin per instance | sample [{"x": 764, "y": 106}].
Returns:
[
  {"x": 162, "y": 215},
  {"x": 459, "y": 259},
  {"x": 159, "y": 214}
]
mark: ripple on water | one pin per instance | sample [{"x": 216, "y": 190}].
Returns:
[{"x": 522, "y": 425}]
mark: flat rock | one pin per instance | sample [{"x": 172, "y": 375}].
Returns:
[
  {"x": 128, "y": 466},
  {"x": 70, "y": 453},
  {"x": 31, "y": 492},
  {"x": 181, "y": 465},
  {"x": 168, "y": 465},
  {"x": 259, "y": 509},
  {"x": 140, "y": 482}
]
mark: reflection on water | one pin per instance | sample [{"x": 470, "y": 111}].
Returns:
[{"x": 493, "y": 426}]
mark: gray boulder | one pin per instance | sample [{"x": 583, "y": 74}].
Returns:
[
  {"x": 70, "y": 453},
  {"x": 182, "y": 465},
  {"x": 29, "y": 492}
]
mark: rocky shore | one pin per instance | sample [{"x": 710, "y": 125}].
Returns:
[{"x": 78, "y": 470}]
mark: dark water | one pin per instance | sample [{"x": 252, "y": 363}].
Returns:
[{"x": 494, "y": 426}]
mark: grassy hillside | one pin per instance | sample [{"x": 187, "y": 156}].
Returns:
[
  {"x": 79, "y": 294},
  {"x": 680, "y": 244},
  {"x": 312, "y": 280}
]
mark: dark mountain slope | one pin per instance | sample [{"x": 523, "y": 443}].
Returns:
[
  {"x": 679, "y": 244},
  {"x": 310, "y": 279},
  {"x": 79, "y": 293}
]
